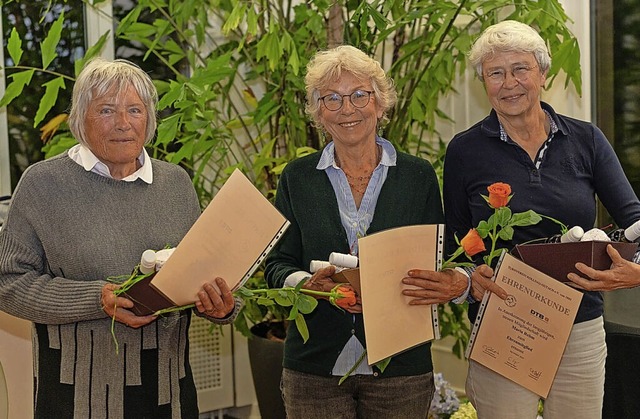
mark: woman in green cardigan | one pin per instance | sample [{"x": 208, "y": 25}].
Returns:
[{"x": 357, "y": 185}]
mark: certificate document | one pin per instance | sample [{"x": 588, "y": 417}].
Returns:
[
  {"x": 391, "y": 325},
  {"x": 230, "y": 239},
  {"x": 523, "y": 337}
]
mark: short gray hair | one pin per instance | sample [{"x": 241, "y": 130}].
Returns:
[
  {"x": 509, "y": 36},
  {"x": 328, "y": 65},
  {"x": 97, "y": 78}
]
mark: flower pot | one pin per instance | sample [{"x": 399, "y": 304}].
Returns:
[{"x": 266, "y": 349}]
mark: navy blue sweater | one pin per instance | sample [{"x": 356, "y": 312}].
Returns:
[{"x": 578, "y": 164}]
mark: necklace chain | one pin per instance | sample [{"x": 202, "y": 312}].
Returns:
[{"x": 359, "y": 183}]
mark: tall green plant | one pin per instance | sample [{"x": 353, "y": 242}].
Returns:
[{"x": 236, "y": 98}]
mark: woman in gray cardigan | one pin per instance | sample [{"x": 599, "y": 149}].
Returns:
[{"x": 87, "y": 215}]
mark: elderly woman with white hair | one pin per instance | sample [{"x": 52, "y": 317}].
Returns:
[
  {"x": 556, "y": 166},
  {"x": 358, "y": 184},
  {"x": 85, "y": 216}
]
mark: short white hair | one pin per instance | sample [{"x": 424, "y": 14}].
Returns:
[
  {"x": 509, "y": 36},
  {"x": 97, "y": 78}
]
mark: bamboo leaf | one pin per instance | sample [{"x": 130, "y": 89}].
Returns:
[
  {"x": 48, "y": 46},
  {"x": 93, "y": 51},
  {"x": 167, "y": 129},
  {"x": 235, "y": 17},
  {"x": 49, "y": 98},
  {"x": 14, "y": 46},
  {"x": 14, "y": 89}
]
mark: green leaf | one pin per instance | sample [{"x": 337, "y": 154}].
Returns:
[
  {"x": 168, "y": 129},
  {"x": 235, "y": 17},
  {"x": 283, "y": 299},
  {"x": 527, "y": 218},
  {"x": 506, "y": 233},
  {"x": 48, "y": 46},
  {"x": 306, "y": 303},
  {"x": 382, "y": 365},
  {"x": 269, "y": 47},
  {"x": 301, "y": 324},
  {"x": 502, "y": 216},
  {"x": 14, "y": 46},
  {"x": 49, "y": 98},
  {"x": 14, "y": 89},
  {"x": 58, "y": 145},
  {"x": 484, "y": 228},
  {"x": 174, "y": 94},
  {"x": 293, "y": 314},
  {"x": 92, "y": 52}
]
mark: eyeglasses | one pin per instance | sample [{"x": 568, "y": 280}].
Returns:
[
  {"x": 334, "y": 101},
  {"x": 499, "y": 75}
]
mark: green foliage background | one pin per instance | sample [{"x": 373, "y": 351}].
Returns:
[{"x": 232, "y": 91}]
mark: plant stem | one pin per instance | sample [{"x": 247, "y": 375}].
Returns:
[
  {"x": 493, "y": 242},
  {"x": 302, "y": 290},
  {"x": 353, "y": 368}
]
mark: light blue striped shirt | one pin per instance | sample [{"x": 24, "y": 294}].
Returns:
[{"x": 356, "y": 222}]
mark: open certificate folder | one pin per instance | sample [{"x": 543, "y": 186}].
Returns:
[
  {"x": 391, "y": 325},
  {"x": 230, "y": 240},
  {"x": 523, "y": 337}
]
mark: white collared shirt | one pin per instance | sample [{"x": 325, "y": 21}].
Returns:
[{"x": 85, "y": 158}]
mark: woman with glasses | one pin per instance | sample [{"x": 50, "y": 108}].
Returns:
[
  {"x": 357, "y": 185},
  {"x": 556, "y": 166}
]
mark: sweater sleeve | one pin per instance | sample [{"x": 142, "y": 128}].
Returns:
[
  {"x": 456, "y": 208},
  {"x": 27, "y": 289},
  {"x": 286, "y": 257},
  {"x": 611, "y": 183}
]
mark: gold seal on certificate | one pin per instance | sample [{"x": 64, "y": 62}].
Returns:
[{"x": 523, "y": 337}]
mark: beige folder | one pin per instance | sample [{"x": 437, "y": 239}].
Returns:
[
  {"x": 229, "y": 240},
  {"x": 391, "y": 324}
]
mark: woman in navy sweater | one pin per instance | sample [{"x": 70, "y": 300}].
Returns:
[{"x": 556, "y": 166}]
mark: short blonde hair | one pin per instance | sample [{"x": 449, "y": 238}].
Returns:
[
  {"x": 509, "y": 36},
  {"x": 97, "y": 78},
  {"x": 328, "y": 65}
]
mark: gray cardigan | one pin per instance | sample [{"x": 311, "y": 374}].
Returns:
[{"x": 66, "y": 232}]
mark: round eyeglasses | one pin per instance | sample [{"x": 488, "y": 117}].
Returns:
[
  {"x": 499, "y": 75},
  {"x": 334, "y": 101}
]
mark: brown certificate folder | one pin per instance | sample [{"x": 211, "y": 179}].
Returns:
[
  {"x": 558, "y": 259},
  {"x": 230, "y": 240},
  {"x": 391, "y": 325},
  {"x": 523, "y": 337},
  {"x": 146, "y": 299}
]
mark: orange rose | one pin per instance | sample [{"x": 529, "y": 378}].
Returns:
[
  {"x": 346, "y": 297},
  {"x": 472, "y": 243},
  {"x": 499, "y": 194}
]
